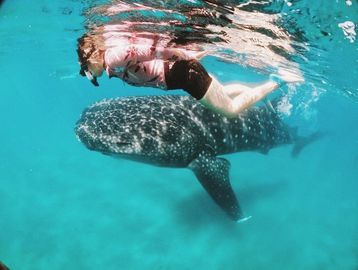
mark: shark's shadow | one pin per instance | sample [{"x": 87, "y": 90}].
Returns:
[{"x": 198, "y": 209}]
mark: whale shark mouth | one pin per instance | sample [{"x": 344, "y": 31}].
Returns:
[
  {"x": 123, "y": 148},
  {"x": 112, "y": 149},
  {"x": 123, "y": 144}
]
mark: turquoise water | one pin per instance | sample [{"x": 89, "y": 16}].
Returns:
[{"x": 64, "y": 207}]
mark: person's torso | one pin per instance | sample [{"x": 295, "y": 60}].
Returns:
[
  {"x": 149, "y": 73},
  {"x": 137, "y": 64}
]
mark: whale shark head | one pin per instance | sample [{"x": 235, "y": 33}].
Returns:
[
  {"x": 111, "y": 132},
  {"x": 127, "y": 127},
  {"x": 98, "y": 136},
  {"x": 112, "y": 142},
  {"x": 160, "y": 130}
]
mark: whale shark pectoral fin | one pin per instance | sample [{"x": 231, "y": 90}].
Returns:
[{"x": 213, "y": 174}]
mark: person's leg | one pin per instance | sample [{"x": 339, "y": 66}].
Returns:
[
  {"x": 192, "y": 77},
  {"x": 218, "y": 99},
  {"x": 245, "y": 96},
  {"x": 253, "y": 95},
  {"x": 235, "y": 89},
  {"x": 230, "y": 102}
]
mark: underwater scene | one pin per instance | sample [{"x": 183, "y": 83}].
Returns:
[{"x": 179, "y": 134}]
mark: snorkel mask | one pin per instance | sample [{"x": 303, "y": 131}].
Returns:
[
  {"x": 90, "y": 76},
  {"x": 85, "y": 72}
]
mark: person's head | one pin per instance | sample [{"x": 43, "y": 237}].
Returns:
[{"x": 90, "y": 57}]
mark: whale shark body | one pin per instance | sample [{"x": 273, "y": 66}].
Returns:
[{"x": 177, "y": 131}]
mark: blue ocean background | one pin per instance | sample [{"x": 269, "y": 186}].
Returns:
[{"x": 64, "y": 207}]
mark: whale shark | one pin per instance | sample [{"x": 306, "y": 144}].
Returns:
[{"x": 177, "y": 131}]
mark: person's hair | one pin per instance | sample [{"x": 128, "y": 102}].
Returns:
[
  {"x": 84, "y": 53},
  {"x": 87, "y": 48}
]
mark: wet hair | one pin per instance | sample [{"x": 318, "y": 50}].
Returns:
[
  {"x": 86, "y": 49},
  {"x": 83, "y": 56}
]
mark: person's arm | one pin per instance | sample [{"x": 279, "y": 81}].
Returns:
[
  {"x": 113, "y": 73},
  {"x": 178, "y": 54},
  {"x": 120, "y": 57}
]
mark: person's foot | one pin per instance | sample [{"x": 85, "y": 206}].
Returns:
[{"x": 285, "y": 76}]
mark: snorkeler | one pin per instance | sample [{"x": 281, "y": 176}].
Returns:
[{"x": 171, "y": 68}]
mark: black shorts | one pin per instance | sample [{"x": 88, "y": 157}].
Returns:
[{"x": 188, "y": 75}]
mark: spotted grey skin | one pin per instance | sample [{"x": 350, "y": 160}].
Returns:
[{"x": 177, "y": 131}]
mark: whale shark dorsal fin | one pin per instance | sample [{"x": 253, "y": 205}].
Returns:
[{"x": 213, "y": 174}]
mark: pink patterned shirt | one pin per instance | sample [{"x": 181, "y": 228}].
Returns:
[{"x": 143, "y": 65}]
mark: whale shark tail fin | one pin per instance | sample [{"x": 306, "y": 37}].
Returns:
[
  {"x": 213, "y": 174},
  {"x": 301, "y": 142}
]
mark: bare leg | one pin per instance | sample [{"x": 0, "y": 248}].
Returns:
[
  {"x": 252, "y": 96},
  {"x": 244, "y": 96},
  {"x": 228, "y": 100},
  {"x": 218, "y": 99},
  {"x": 235, "y": 89}
]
